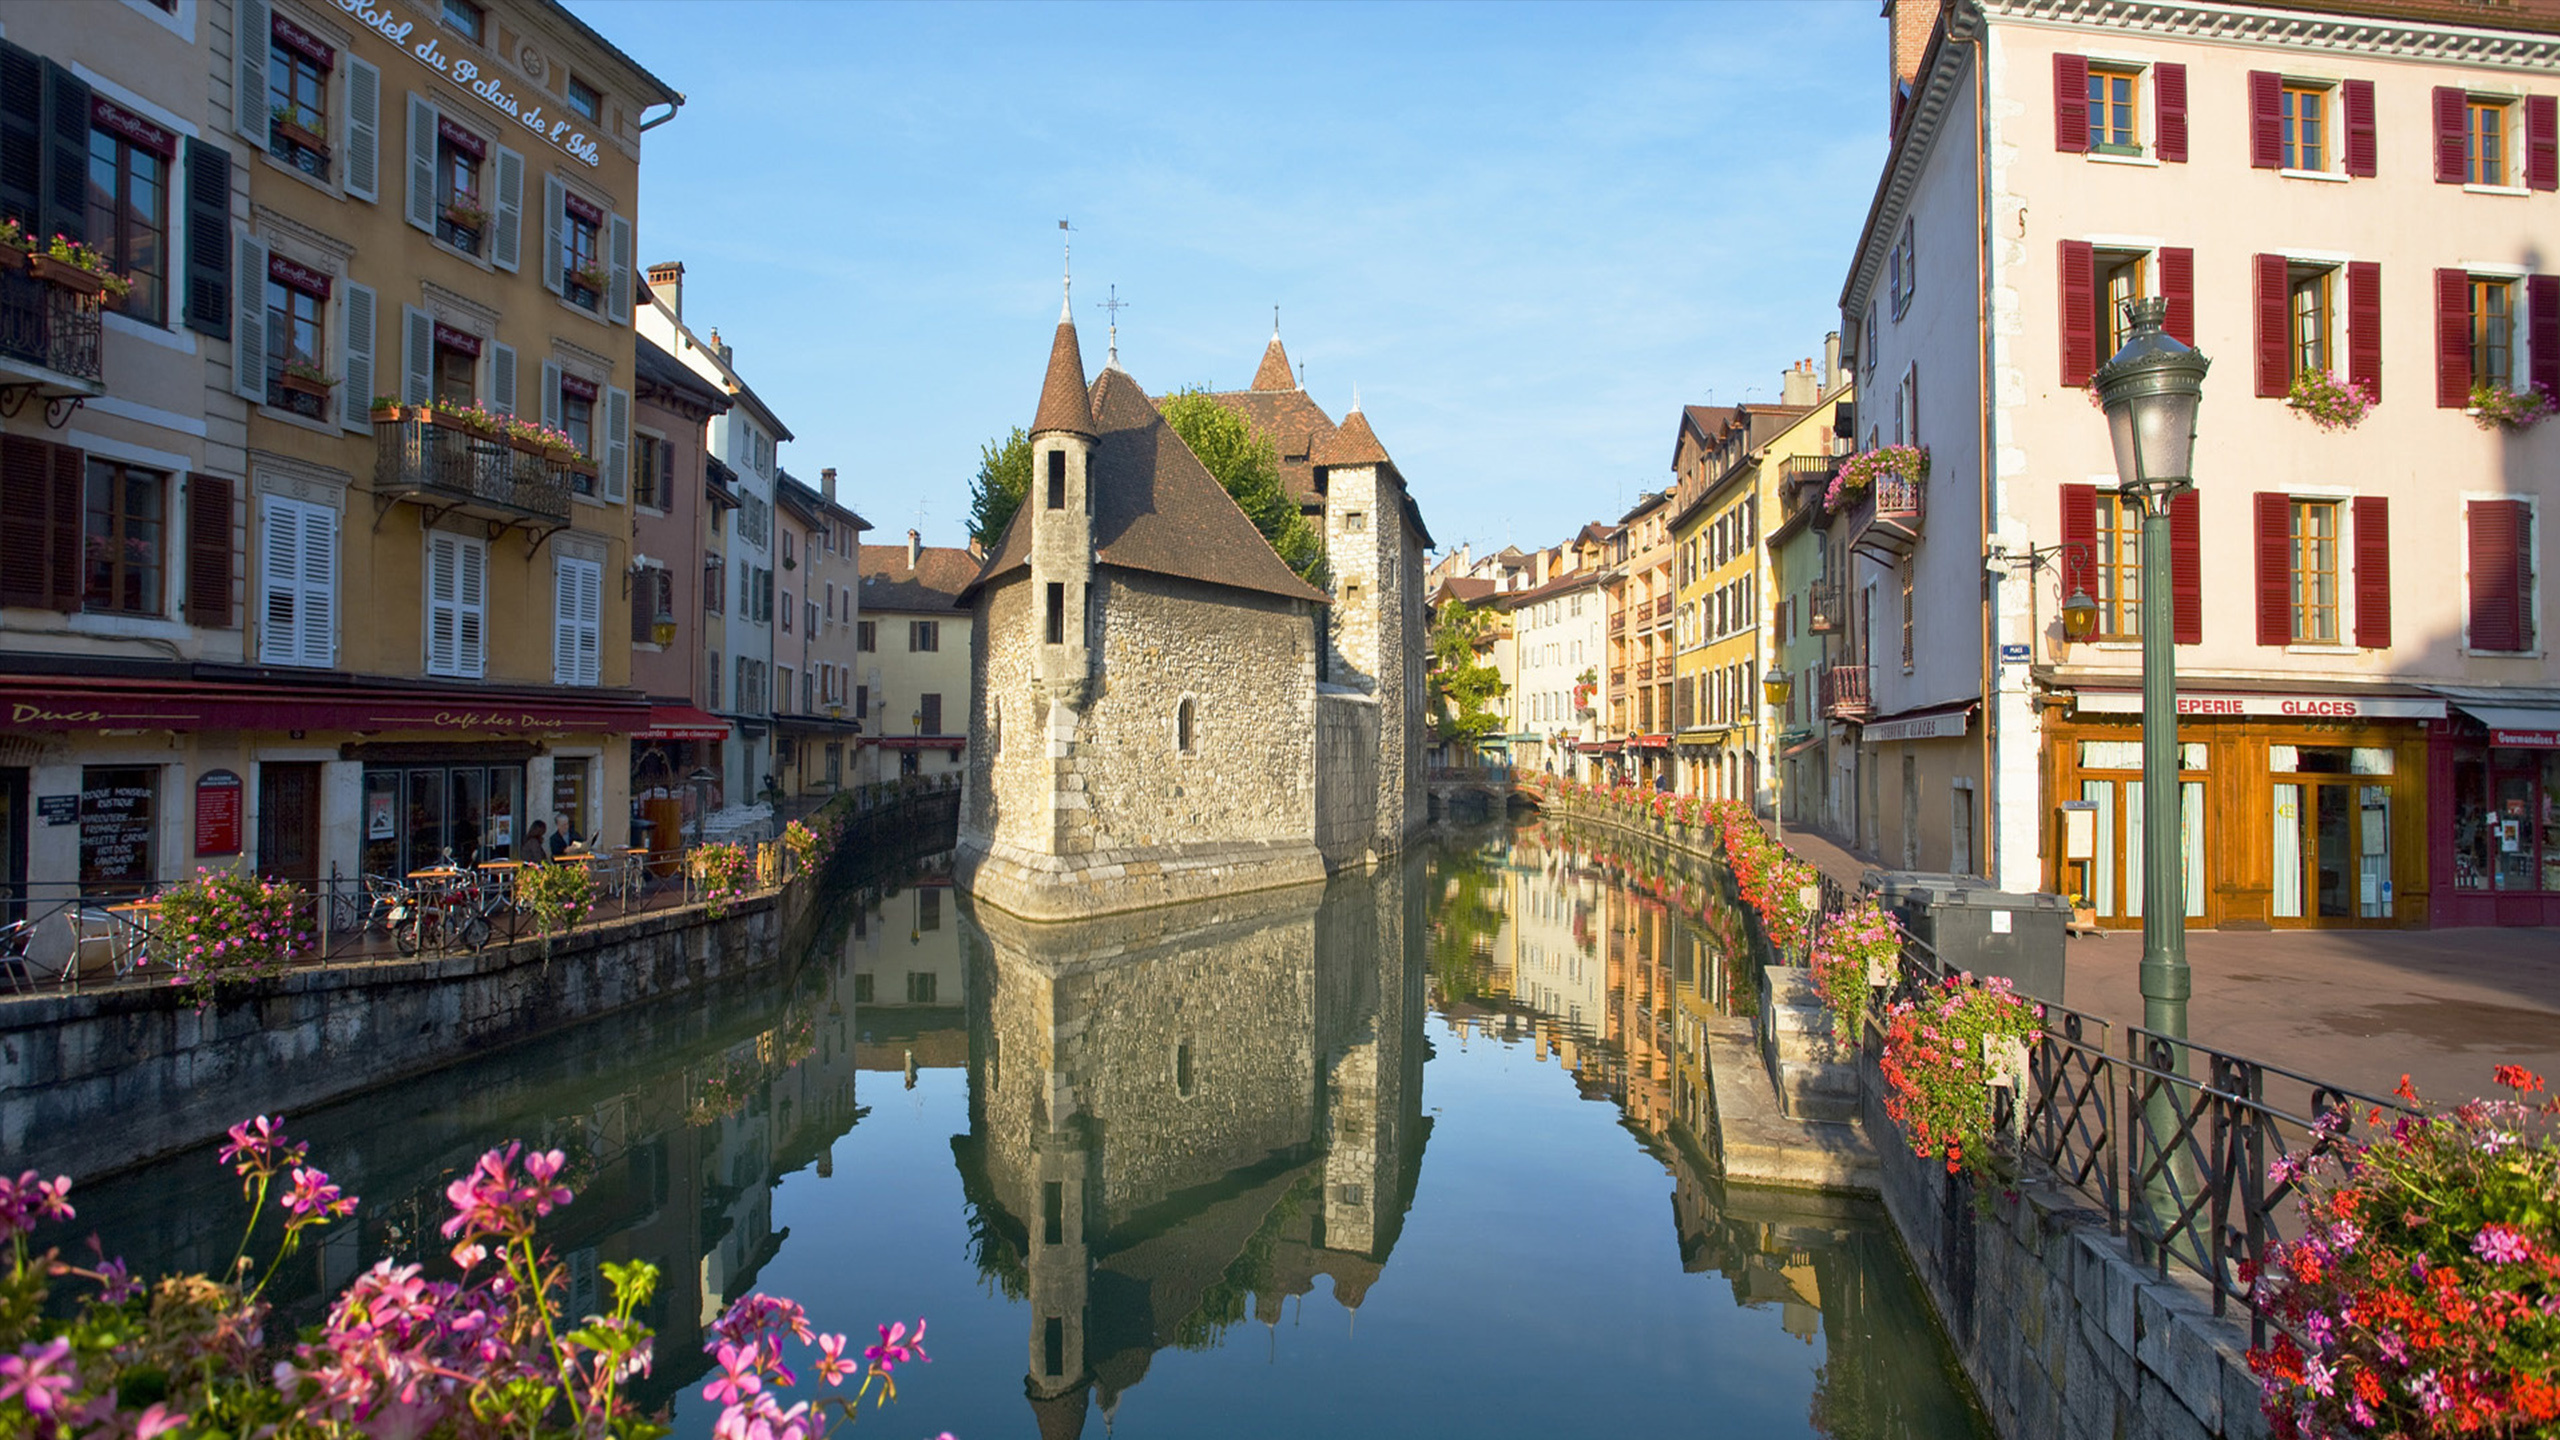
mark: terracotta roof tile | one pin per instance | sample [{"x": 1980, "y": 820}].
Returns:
[
  {"x": 1295, "y": 424},
  {"x": 941, "y": 573},
  {"x": 1064, "y": 402},
  {"x": 1275, "y": 373},
  {"x": 1351, "y": 443}
]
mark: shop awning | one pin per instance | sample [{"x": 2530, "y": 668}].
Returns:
[
  {"x": 1802, "y": 746},
  {"x": 953, "y": 743},
  {"x": 683, "y": 722},
  {"x": 61, "y": 702},
  {"x": 1650, "y": 742},
  {"x": 2518, "y": 727},
  {"x": 1602, "y": 747}
]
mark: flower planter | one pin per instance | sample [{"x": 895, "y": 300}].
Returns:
[
  {"x": 12, "y": 258},
  {"x": 287, "y": 130},
  {"x": 462, "y": 217},
  {"x": 67, "y": 275},
  {"x": 304, "y": 385}
]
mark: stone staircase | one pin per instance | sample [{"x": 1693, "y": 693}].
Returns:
[{"x": 1816, "y": 1073}]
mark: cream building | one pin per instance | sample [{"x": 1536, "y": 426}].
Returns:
[{"x": 911, "y": 690}]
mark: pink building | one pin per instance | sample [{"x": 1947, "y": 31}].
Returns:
[
  {"x": 675, "y": 490},
  {"x": 2324, "y": 201}
]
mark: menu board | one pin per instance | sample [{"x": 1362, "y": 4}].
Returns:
[
  {"x": 116, "y": 815},
  {"x": 218, "y": 813}
]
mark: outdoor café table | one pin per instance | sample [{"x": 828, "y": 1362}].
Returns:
[{"x": 132, "y": 939}]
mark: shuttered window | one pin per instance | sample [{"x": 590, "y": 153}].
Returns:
[
  {"x": 2364, "y": 327},
  {"x": 2361, "y": 150},
  {"x": 40, "y": 521},
  {"x": 577, "y": 622},
  {"x": 2453, "y": 143},
  {"x": 2274, "y": 548},
  {"x": 2186, "y": 571},
  {"x": 2501, "y": 579},
  {"x": 2453, "y": 339},
  {"x": 209, "y": 552},
  {"x": 297, "y": 583},
  {"x": 2542, "y": 142},
  {"x": 457, "y": 605},
  {"x": 2372, "y": 521},
  {"x": 2542, "y": 327}
]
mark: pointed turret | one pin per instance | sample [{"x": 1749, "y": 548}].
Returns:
[
  {"x": 1065, "y": 403},
  {"x": 1351, "y": 443},
  {"x": 1275, "y": 373}
]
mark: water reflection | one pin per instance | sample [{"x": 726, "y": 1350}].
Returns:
[{"x": 1181, "y": 1118}]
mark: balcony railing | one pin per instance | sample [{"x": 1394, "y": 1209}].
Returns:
[
  {"x": 49, "y": 333},
  {"x": 1845, "y": 695},
  {"x": 1617, "y": 678},
  {"x": 1618, "y": 622},
  {"x": 421, "y": 458},
  {"x": 1644, "y": 670},
  {"x": 1886, "y": 522},
  {"x": 1822, "y": 608}
]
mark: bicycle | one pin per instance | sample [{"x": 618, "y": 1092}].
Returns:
[{"x": 443, "y": 909}]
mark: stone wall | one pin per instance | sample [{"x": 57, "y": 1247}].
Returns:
[
  {"x": 93, "y": 1083},
  {"x": 1348, "y": 796}
]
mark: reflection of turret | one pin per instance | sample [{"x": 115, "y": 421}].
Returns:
[{"x": 1180, "y": 1115}]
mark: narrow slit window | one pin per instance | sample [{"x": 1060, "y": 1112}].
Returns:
[
  {"x": 1057, "y": 479},
  {"x": 1057, "y": 613}
]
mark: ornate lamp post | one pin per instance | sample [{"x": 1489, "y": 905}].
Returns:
[
  {"x": 1776, "y": 687},
  {"x": 2079, "y": 617},
  {"x": 2150, "y": 390}
]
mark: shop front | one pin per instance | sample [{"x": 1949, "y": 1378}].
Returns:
[
  {"x": 2295, "y": 810},
  {"x": 675, "y": 774},
  {"x": 2496, "y": 833}
]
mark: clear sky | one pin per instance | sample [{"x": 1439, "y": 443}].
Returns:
[{"x": 1527, "y": 234}]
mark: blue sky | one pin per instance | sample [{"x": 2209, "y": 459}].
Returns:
[{"x": 1528, "y": 234}]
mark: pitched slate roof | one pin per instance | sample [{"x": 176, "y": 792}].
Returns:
[
  {"x": 661, "y": 373},
  {"x": 941, "y": 573},
  {"x": 1155, "y": 507}
]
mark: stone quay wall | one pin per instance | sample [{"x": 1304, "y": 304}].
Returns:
[
  {"x": 97, "y": 1082},
  {"x": 1349, "y": 831}
]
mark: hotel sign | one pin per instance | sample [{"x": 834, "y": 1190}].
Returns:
[
  {"x": 383, "y": 21},
  {"x": 2284, "y": 707}
]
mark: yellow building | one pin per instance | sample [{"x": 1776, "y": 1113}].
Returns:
[{"x": 375, "y": 608}]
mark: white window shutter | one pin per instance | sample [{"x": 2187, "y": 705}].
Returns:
[
  {"x": 417, "y": 355},
  {"x": 280, "y": 583},
  {"x": 471, "y": 613},
  {"x": 253, "y": 40},
  {"x": 555, "y": 201},
  {"x": 249, "y": 326},
  {"x": 564, "y": 622},
  {"x": 357, "y": 313},
  {"x": 590, "y": 622},
  {"x": 364, "y": 130},
  {"x": 502, "y": 378},
  {"x": 551, "y": 393},
  {"x": 319, "y": 586},
  {"x": 422, "y": 164},
  {"x": 443, "y": 626},
  {"x": 507, "y": 239},
  {"x": 617, "y": 444},
  {"x": 618, "y": 254}
]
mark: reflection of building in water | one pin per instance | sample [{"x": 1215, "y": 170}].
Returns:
[
  {"x": 910, "y": 981},
  {"x": 1182, "y": 1116}
]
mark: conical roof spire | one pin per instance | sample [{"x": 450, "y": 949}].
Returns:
[
  {"x": 1351, "y": 443},
  {"x": 1275, "y": 373},
  {"x": 1065, "y": 402}
]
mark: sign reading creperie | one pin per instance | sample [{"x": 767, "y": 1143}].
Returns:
[{"x": 2285, "y": 707}]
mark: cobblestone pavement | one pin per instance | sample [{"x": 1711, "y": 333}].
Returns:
[{"x": 2358, "y": 1007}]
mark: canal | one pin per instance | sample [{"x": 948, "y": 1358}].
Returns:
[{"x": 1415, "y": 1156}]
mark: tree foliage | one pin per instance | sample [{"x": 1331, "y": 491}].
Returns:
[
  {"x": 1004, "y": 477},
  {"x": 1244, "y": 461},
  {"x": 1463, "y": 680}
]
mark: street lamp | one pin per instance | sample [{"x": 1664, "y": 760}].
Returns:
[
  {"x": 2079, "y": 617},
  {"x": 2150, "y": 390},
  {"x": 1776, "y": 687}
]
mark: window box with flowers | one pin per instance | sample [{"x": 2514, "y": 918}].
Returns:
[
  {"x": 590, "y": 280},
  {"x": 464, "y": 213},
  {"x": 2329, "y": 402},
  {"x": 1884, "y": 466},
  {"x": 2495, "y": 407},
  {"x": 72, "y": 266},
  {"x": 15, "y": 243},
  {"x": 305, "y": 379},
  {"x": 291, "y": 140}
]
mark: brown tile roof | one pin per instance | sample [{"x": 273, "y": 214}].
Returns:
[
  {"x": 1467, "y": 588},
  {"x": 1351, "y": 443},
  {"x": 941, "y": 573},
  {"x": 1156, "y": 508},
  {"x": 1275, "y": 373},
  {"x": 1295, "y": 425},
  {"x": 1064, "y": 403}
]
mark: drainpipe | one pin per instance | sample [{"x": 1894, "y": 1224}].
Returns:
[
  {"x": 1968, "y": 15},
  {"x": 672, "y": 107}
]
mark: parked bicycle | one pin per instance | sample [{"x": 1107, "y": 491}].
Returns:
[{"x": 440, "y": 908}]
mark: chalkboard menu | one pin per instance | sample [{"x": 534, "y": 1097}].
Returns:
[{"x": 117, "y": 811}]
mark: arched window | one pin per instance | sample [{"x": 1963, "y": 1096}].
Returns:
[{"x": 1183, "y": 725}]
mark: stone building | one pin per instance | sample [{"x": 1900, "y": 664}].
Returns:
[{"x": 1161, "y": 709}]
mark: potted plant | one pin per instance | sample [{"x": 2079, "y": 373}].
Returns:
[
  {"x": 590, "y": 277},
  {"x": 1861, "y": 471},
  {"x": 2329, "y": 402},
  {"x": 284, "y": 123},
  {"x": 463, "y": 213},
  {"x": 14, "y": 245},
  {"x": 74, "y": 266},
  {"x": 2497, "y": 407},
  {"x": 386, "y": 409},
  {"x": 305, "y": 378}
]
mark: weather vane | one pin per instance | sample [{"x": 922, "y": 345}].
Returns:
[{"x": 1114, "y": 305}]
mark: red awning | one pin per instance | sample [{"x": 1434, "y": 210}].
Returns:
[
  {"x": 34, "y": 702},
  {"x": 683, "y": 722},
  {"x": 1650, "y": 742}
]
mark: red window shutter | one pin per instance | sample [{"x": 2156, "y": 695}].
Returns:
[
  {"x": 2542, "y": 142},
  {"x": 2071, "y": 103},
  {"x": 2169, "y": 90},
  {"x": 2079, "y": 541},
  {"x": 26, "y": 511},
  {"x": 2275, "y": 329},
  {"x": 2364, "y": 326},
  {"x": 2275, "y": 568},
  {"x": 2178, "y": 287},
  {"x": 2362, "y": 151},
  {"x": 2542, "y": 318},
  {"x": 2497, "y": 569},
  {"x": 2079, "y": 311},
  {"x": 2453, "y": 145},
  {"x": 64, "y": 472},
  {"x": 2266, "y": 120},
  {"x": 2372, "y": 519},
  {"x": 209, "y": 552},
  {"x": 2453, "y": 339},
  {"x": 2186, "y": 572}
]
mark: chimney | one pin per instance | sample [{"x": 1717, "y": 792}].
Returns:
[
  {"x": 1912, "y": 22},
  {"x": 915, "y": 550},
  {"x": 1799, "y": 387},
  {"x": 668, "y": 279},
  {"x": 1831, "y": 375},
  {"x": 827, "y": 484}
]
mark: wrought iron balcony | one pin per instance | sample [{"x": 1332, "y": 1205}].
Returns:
[
  {"x": 1886, "y": 522},
  {"x": 1617, "y": 622},
  {"x": 49, "y": 337},
  {"x": 1845, "y": 695},
  {"x": 424, "y": 460},
  {"x": 1822, "y": 608}
]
